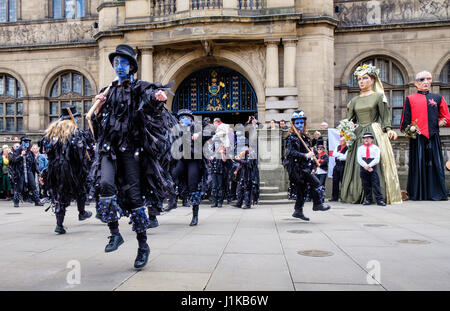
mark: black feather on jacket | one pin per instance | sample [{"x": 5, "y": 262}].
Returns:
[{"x": 132, "y": 120}]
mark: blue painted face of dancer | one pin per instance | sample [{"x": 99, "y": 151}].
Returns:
[
  {"x": 299, "y": 124},
  {"x": 26, "y": 144},
  {"x": 185, "y": 120},
  {"x": 122, "y": 68}
]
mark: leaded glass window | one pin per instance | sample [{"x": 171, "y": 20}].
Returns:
[
  {"x": 70, "y": 89},
  {"x": 444, "y": 80},
  {"x": 11, "y": 105},
  {"x": 69, "y": 8},
  {"x": 8, "y": 11}
]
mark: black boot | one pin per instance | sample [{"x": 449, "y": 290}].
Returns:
[
  {"x": 299, "y": 214},
  {"x": 381, "y": 203},
  {"x": 142, "y": 257},
  {"x": 153, "y": 221},
  {"x": 114, "y": 242},
  {"x": 186, "y": 203},
  {"x": 194, "y": 220},
  {"x": 16, "y": 203},
  {"x": 172, "y": 204},
  {"x": 60, "y": 229},
  {"x": 84, "y": 216},
  {"x": 59, "y": 224},
  {"x": 321, "y": 207},
  {"x": 214, "y": 202}
]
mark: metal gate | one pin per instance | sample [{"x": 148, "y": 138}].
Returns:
[{"x": 215, "y": 90}]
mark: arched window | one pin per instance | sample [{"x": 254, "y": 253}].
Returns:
[
  {"x": 69, "y": 8},
  {"x": 8, "y": 11},
  {"x": 444, "y": 80},
  {"x": 70, "y": 88},
  {"x": 11, "y": 105},
  {"x": 393, "y": 82}
]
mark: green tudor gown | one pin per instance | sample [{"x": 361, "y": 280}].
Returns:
[{"x": 366, "y": 112}]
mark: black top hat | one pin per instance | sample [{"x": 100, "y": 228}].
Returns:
[
  {"x": 127, "y": 52},
  {"x": 24, "y": 138},
  {"x": 65, "y": 112},
  {"x": 366, "y": 135},
  {"x": 185, "y": 112}
]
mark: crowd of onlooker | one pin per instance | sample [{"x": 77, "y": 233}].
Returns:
[{"x": 6, "y": 175}]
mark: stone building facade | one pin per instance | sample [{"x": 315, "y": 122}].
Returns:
[{"x": 273, "y": 55}]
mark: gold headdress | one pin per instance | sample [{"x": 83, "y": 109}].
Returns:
[{"x": 372, "y": 70}]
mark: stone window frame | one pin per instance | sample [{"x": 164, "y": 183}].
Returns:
[
  {"x": 83, "y": 100},
  {"x": 87, "y": 4},
  {"x": 389, "y": 86},
  {"x": 444, "y": 82},
  {"x": 7, "y": 4},
  {"x": 16, "y": 101}
]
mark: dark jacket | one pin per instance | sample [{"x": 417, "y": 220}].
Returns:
[
  {"x": 132, "y": 120},
  {"x": 68, "y": 166},
  {"x": 296, "y": 162},
  {"x": 17, "y": 165}
]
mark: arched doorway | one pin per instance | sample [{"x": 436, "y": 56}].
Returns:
[{"x": 217, "y": 92}]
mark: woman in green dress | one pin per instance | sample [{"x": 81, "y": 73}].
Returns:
[{"x": 367, "y": 110}]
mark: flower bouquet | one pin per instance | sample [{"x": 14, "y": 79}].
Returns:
[
  {"x": 412, "y": 130},
  {"x": 347, "y": 130}
]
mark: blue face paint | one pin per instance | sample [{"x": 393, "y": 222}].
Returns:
[
  {"x": 26, "y": 144},
  {"x": 299, "y": 124},
  {"x": 122, "y": 68},
  {"x": 185, "y": 120}
]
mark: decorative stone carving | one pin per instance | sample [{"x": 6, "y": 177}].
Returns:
[
  {"x": 46, "y": 33},
  {"x": 163, "y": 59},
  {"x": 375, "y": 12},
  {"x": 255, "y": 56}
]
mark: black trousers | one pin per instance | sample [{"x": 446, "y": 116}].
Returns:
[
  {"x": 302, "y": 188},
  {"x": 129, "y": 170},
  {"x": 322, "y": 178},
  {"x": 217, "y": 187},
  {"x": 22, "y": 187},
  {"x": 371, "y": 182},
  {"x": 338, "y": 174},
  {"x": 190, "y": 169}
]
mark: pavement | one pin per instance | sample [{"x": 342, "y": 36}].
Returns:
[{"x": 350, "y": 247}]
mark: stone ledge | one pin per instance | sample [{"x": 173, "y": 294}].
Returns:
[
  {"x": 282, "y": 104},
  {"x": 282, "y": 91}
]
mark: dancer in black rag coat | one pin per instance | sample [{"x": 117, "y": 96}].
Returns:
[
  {"x": 130, "y": 130},
  {"x": 66, "y": 147},
  {"x": 24, "y": 167},
  {"x": 299, "y": 165}
]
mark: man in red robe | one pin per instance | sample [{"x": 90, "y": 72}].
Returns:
[{"x": 427, "y": 112}]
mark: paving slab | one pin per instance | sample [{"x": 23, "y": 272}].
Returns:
[{"x": 234, "y": 249}]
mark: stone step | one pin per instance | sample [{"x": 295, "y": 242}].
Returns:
[
  {"x": 269, "y": 189},
  {"x": 273, "y": 196},
  {"x": 275, "y": 202}
]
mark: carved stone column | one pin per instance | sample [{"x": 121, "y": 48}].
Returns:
[
  {"x": 290, "y": 49},
  {"x": 147, "y": 64},
  {"x": 272, "y": 70}
]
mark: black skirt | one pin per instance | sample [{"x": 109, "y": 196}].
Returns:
[{"x": 426, "y": 176}]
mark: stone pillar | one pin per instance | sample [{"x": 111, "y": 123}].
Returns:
[
  {"x": 315, "y": 72},
  {"x": 290, "y": 49},
  {"x": 272, "y": 69},
  {"x": 147, "y": 64}
]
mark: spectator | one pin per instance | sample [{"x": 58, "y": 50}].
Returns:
[
  {"x": 5, "y": 183},
  {"x": 324, "y": 125},
  {"x": 283, "y": 126},
  {"x": 273, "y": 125},
  {"x": 322, "y": 171},
  {"x": 317, "y": 140}
]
